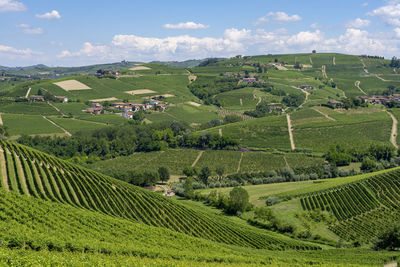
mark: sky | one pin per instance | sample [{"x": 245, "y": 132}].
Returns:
[{"x": 75, "y": 33}]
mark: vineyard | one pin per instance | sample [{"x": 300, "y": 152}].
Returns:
[
  {"x": 362, "y": 208},
  {"x": 32, "y": 173}
]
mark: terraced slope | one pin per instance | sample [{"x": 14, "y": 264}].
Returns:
[
  {"x": 32, "y": 173},
  {"x": 362, "y": 208}
]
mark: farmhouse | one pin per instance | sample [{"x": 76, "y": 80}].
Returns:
[
  {"x": 249, "y": 80},
  {"x": 307, "y": 87},
  {"x": 334, "y": 103},
  {"x": 161, "y": 107},
  {"x": 36, "y": 97},
  {"x": 62, "y": 99},
  {"x": 384, "y": 100},
  {"x": 118, "y": 105},
  {"x": 95, "y": 109}
]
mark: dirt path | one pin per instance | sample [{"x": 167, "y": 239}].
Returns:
[
  {"x": 323, "y": 69},
  {"x": 390, "y": 264},
  {"x": 293, "y": 147},
  {"x": 21, "y": 174},
  {"x": 364, "y": 66},
  {"x": 259, "y": 100},
  {"x": 220, "y": 132},
  {"x": 56, "y": 108},
  {"x": 27, "y": 92},
  {"x": 241, "y": 102},
  {"x": 191, "y": 77},
  {"x": 357, "y": 84},
  {"x": 333, "y": 61},
  {"x": 197, "y": 159},
  {"x": 3, "y": 170},
  {"x": 1, "y": 120},
  {"x": 393, "y": 134},
  {"x": 380, "y": 78},
  {"x": 240, "y": 162},
  {"x": 58, "y": 126},
  {"x": 287, "y": 164},
  {"x": 311, "y": 61},
  {"x": 323, "y": 114}
]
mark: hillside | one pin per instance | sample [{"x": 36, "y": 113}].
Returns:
[
  {"x": 36, "y": 174},
  {"x": 56, "y": 210}
]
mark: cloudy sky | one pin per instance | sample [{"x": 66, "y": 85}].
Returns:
[{"x": 71, "y": 33}]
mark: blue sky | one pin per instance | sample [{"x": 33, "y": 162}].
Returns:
[{"x": 71, "y": 33}]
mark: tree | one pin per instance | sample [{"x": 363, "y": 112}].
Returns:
[
  {"x": 389, "y": 239},
  {"x": 220, "y": 171},
  {"x": 368, "y": 164},
  {"x": 138, "y": 116},
  {"x": 204, "y": 174},
  {"x": 3, "y": 130},
  {"x": 238, "y": 200},
  {"x": 164, "y": 174},
  {"x": 189, "y": 171},
  {"x": 188, "y": 190}
]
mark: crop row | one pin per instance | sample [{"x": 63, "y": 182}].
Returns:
[{"x": 37, "y": 174}]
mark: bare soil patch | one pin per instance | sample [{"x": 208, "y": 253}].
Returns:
[
  {"x": 140, "y": 92},
  {"x": 104, "y": 99},
  {"x": 71, "y": 85},
  {"x": 194, "y": 104},
  {"x": 140, "y": 68}
]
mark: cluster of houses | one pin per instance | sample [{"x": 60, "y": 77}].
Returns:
[
  {"x": 40, "y": 98},
  {"x": 307, "y": 87},
  {"x": 384, "y": 100},
  {"x": 101, "y": 73},
  {"x": 249, "y": 79},
  {"x": 129, "y": 108}
]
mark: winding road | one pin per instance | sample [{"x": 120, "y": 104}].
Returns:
[
  {"x": 293, "y": 147},
  {"x": 393, "y": 135}
]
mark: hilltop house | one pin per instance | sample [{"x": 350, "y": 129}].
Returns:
[
  {"x": 249, "y": 80},
  {"x": 36, "y": 97},
  {"x": 128, "y": 114},
  {"x": 384, "y": 100},
  {"x": 161, "y": 107}
]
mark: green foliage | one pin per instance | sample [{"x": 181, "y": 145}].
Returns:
[
  {"x": 163, "y": 174},
  {"x": 238, "y": 200},
  {"x": 204, "y": 174},
  {"x": 188, "y": 188},
  {"x": 388, "y": 239}
]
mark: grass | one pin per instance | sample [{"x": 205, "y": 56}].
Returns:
[
  {"x": 30, "y": 108},
  {"x": 28, "y": 124},
  {"x": 73, "y": 126}
]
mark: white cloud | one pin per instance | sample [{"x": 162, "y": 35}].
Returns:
[
  {"x": 397, "y": 32},
  {"x": 29, "y": 30},
  {"x": 358, "y": 23},
  {"x": 390, "y": 13},
  {"x": 22, "y": 25},
  {"x": 190, "y": 25},
  {"x": 364, "y": 4},
  {"x": 280, "y": 17},
  {"x": 10, "y": 5},
  {"x": 305, "y": 38},
  {"x": 8, "y": 52},
  {"x": 88, "y": 50},
  {"x": 33, "y": 31},
  {"x": 49, "y": 15}
]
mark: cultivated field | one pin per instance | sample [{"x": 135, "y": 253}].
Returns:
[{"x": 71, "y": 85}]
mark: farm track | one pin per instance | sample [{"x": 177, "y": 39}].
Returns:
[
  {"x": 357, "y": 84},
  {"x": 333, "y": 61},
  {"x": 3, "y": 170},
  {"x": 323, "y": 69},
  {"x": 95, "y": 122},
  {"x": 240, "y": 162},
  {"x": 311, "y": 61},
  {"x": 241, "y": 102},
  {"x": 380, "y": 78},
  {"x": 287, "y": 163},
  {"x": 293, "y": 147},
  {"x": 28, "y": 92},
  {"x": 56, "y": 108},
  {"x": 197, "y": 159},
  {"x": 323, "y": 114},
  {"x": 58, "y": 126},
  {"x": 1, "y": 120},
  {"x": 220, "y": 132},
  {"x": 393, "y": 134}
]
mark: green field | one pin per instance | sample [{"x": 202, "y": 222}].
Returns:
[{"x": 28, "y": 124}]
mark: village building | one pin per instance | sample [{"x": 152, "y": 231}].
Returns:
[
  {"x": 161, "y": 107},
  {"x": 128, "y": 115},
  {"x": 384, "y": 100},
  {"x": 249, "y": 80},
  {"x": 118, "y": 105},
  {"x": 36, "y": 97}
]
